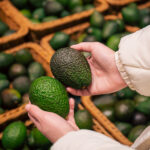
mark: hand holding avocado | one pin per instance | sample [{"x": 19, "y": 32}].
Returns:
[
  {"x": 50, "y": 124},
  {"x": 105, "y": 75}
]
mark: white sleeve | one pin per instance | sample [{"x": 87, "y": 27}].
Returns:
[
  {"x": 87, "y": 140},
  {"x": 133, "y": 60}
]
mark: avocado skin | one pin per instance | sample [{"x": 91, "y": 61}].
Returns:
[{"x": 71, "y": 68}]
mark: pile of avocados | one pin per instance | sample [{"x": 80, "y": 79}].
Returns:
[
  {"x": 23, "y": 138},
  {"x": 108, "y": 32},
  {"x": 17, "y": 72},
  {"x": 4, "y": 29},
  {"x": 49, "y": 10},
  {"x": 128, "y": 110}
]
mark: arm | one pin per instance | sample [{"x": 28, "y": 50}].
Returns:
[
  {"x": 133, "y": 60},
  {"x": 87, "y": 140}
]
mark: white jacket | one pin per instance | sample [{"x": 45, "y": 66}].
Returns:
[{"x": 133, "y": 62}]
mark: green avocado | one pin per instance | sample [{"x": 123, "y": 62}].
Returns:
[
  {"x": 83, "y": 119},
  {"x": 4, "y": 84},
  {"x": 16, "y": 70},
  {"x": 59, "y": 40},
  {"x": 22, "y": 84},
  {"x": 19, "y": 4},
  {"x": 136, "y": 132},
  {"x": 14, "y": 135},
  {"x": 49, "y": 18},
  {"x": 50, "y": 95},
  {"x": 23, "y": 56},
  {"x": 139, "y": 118},
  {"x": 110, "y": 27},
  {"x": 38, "y": 14},
  {"x": 6, "y": 60},
  {"x": 37, "y": 3},
  {"x": 71, "y": 68},
  {"x": 3, "y": 28},
  {"x": 35, "y": 70},
  {"x": 124, "y": 110},
  {"x": 97, "y": 19},
  {"x": 26, "y": 13},
  {"x": 131, "y": 15},
  {"x": 53, "y": 8},
  {"x": 124, "y": 127},
  {"x": 74, "y": 3},
  {"x": 11, "y": 98}
]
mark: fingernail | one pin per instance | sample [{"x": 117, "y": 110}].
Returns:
[{"x": 27, "y": 107}]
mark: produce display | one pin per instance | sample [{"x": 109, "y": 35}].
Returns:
[
  {"x": 23, "y": 78},
  {"x": 128, "y": 110},
  {"x": 49, "y": 10},
  {"x": 23, "y": 138},
  {"x": 4, "y": 29},
  {"x": 17, "y": 71}
]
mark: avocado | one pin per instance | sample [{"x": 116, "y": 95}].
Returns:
[
  {"x": 97, "y": 19},
  {"x": 49, "y": 18},
  {"x": 83, "y": 119},
  {"x": 102, "y": 101},
  {"x": 16, "y": 70},
  {"x": 37, "y": 139},
  {"x": 86, "y": 54},
  {"x": 26, "y": 13},
  {"x": 50, "y": 95},
  {"x": 2, "y": 110},
  {"x": 90, "y": 38},
  {"x": 11, "y": 98},
  {"x": 144, "y": 21},
  {"x": 139, "y": 118},
  {"x": 38, "y": 13},
  {"x": 78, "y": 9},
  {"x": 88, "y": 6},
  {"x": 121, "y": 24},
  {"x": 144, "y": 106},
  {"x": 110, "y": 27},
  {"x": 9, "y": 32},
  {"x": 136, "y": 132},
  {"x": 109, "y": 113},
  {"x": 125, "y": 94},
  {"x": 71, "y": 68},
  {"x": 3, "y": 76},
  {"x": 25, "y": 147},
  {"x": 95, "y": 32},
  {"x": 124, "y": 127},
  {"x": 132, "y": 5},
  {"x": 59, "y": 40},
  {"x": 140, "y": 98},
  {"x": 23, "y": 56},
  {"x": 4, "y": 84},
  {"x": 14, "y": 135},
  {"x": 130, "y": 15},
  {"x": 37, "y": 4},
  {"x": 3, "y": 28},
  {"x": 35, "y": 70},
  {"x": 65, "y": 13},
  {"x": 19, "y": 4},
  {"x": 6, "y": 60},
  {"x": 124, "y": 110},
  {"x": 144, "y": 12},
  {"x": 113, "y": 42},
  {"x": 74, "y": 3},
  {"x": 53, "y": 8},
  {"x": 22, "y": 84}
]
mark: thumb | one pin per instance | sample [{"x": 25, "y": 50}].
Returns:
[
  {"x": 34, "y": 111},
  {"x": 84, "y": 46}
]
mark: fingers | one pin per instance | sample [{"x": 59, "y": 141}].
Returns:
[
  {"x": 34, "y": 111},
  {"x": 71, "y": 111},
  {"x": 78, "y": 92},
  {"x": 84, "y": 46}
]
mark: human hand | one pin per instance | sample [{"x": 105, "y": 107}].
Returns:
[
  {"x": 105, "y": 75},
  {"x": 50, "y": 124}
]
